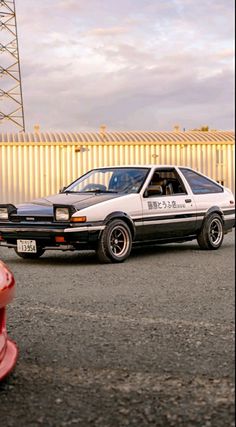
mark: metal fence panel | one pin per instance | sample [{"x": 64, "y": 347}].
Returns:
[{"x": 31, "y": 170}]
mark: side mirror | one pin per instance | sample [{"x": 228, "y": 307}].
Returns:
[
  {"x": 62, "y": 189},
  {"x": 153, "y": 190}
]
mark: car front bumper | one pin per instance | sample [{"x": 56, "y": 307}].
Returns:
[
  {"x": 8, "y": 349},
  {"x": 9, "y": 358},
  {"x": 74, "y": 238}
]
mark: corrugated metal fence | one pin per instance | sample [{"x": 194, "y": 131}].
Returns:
[{"x": 31, "y": 169}]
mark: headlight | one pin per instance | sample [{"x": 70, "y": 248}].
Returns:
[
  {"x": 3, "y": 213},
  {"x": 62, "y": 214}
]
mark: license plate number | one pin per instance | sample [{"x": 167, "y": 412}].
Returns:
[{"x": 26, "y": 246}]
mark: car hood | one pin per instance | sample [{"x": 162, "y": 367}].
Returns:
[{"x": 44, "y": 206}]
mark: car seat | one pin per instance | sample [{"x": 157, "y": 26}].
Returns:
[{"x": 169, "y": 189}]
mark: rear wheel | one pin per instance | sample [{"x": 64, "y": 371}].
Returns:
[
  {"x": 115, "y": 243},
  {"x": 211, "y": 235},
  {"x": 34, "y": 255}
]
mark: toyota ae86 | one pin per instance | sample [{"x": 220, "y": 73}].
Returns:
[
  {"x": 112, "y": 209},
  {"x": 8, "y": 349}
]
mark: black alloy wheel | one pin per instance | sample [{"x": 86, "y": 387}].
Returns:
[
  {"x": 115, "y": 243},
  {"x": 211, "y": 236}
]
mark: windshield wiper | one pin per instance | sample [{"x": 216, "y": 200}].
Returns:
[
  {"x": 97, "y": 191},
  {"x": 71, "y": 192}
]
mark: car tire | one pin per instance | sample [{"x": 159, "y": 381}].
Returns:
[
  {"x": 115, "y": 242},
  {"x": 211, "y": 235},
  {"x": 31, "y": 255}
]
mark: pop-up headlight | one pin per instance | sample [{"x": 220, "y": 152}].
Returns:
[
  {"x": 3, "y": 213},
  {"x": 6, "y": 211},
  {"x": 62, "y": 214}
]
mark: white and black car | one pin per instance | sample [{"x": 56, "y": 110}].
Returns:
[{"x": 111, "y": 209}]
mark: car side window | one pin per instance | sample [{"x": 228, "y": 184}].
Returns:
[
  {"x": 200, "y": 184},
  {"x": 165, "y": 182}
]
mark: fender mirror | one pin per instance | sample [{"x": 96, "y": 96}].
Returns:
[{"x": 62, "y": 189}]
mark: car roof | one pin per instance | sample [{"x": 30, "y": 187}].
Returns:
[{"x": 139, "y": 166}]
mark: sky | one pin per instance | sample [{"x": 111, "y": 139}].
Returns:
[{"x": 129, "y": 64}]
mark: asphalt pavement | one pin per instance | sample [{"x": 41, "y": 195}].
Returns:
[{"x": 149, "y": 342}]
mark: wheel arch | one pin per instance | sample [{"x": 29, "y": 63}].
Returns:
[
  {"x": 125, "y": 217},
  {"x": 211, "y": 234},
  {"x": 212, "y": 210}
]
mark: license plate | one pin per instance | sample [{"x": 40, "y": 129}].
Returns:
[{"x": 26, "y": 246}]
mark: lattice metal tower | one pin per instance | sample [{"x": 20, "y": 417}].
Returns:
[{"x": 11, "y": 100}]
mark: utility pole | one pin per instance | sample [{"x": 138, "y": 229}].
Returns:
[{"x": 11, "y": 99}]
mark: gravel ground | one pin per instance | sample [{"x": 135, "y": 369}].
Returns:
[{"x": 149, "y": 342}]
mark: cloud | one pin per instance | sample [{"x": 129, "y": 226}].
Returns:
[
  {"x": 106, "y": 31},
  {"x": 133, "y": 65}
]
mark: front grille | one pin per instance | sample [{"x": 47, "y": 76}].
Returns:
[{"x": 29, "y": 218}]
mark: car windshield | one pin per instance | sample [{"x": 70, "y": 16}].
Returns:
[{"x": 110, "y": 180}]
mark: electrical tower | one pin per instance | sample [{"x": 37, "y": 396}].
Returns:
[{"x": 11, "y": 100}]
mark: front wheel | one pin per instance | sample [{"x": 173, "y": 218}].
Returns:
[
  {"x": 34, "y": 255},
  {"x": 115, "y": 242},
  {"x": 211, "y": 236}
]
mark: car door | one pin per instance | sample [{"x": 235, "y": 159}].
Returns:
[{"x": 168, "y": 207}]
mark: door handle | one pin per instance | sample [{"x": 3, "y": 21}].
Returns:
[{"x": 188, "y": 200}]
